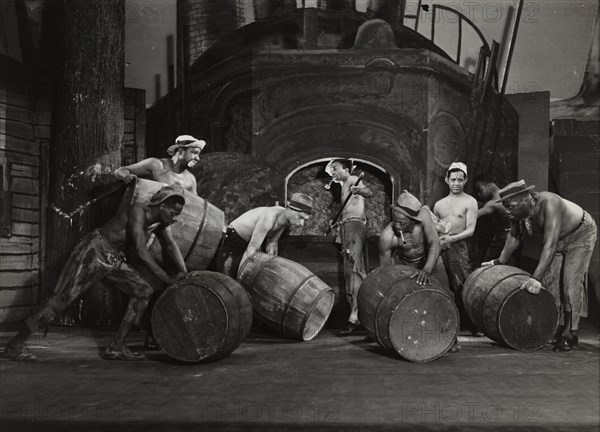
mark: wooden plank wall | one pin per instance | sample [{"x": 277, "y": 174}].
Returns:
[
  {"x": 25, "y": 128},
  {"x": 25, "y": 119}
]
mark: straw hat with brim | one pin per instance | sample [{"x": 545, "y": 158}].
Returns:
[
  {"x": 408, "y": 205},
  {"x": 186, "y": 141},
  {"x": 512, "y": 189},
  {"x": 301, "y": 202},
  {"x": 165, "y": 193}
]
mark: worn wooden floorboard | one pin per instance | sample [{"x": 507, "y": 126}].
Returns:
[{"x": 270, "y": 383}]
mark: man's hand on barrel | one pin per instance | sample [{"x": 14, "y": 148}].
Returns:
[
  {"x": 178, "y": 276},
  {"x": 423, "y": 278},
  {"x": 129, "y": 178},
  {"x": 491, "y": 263},
  {"x": 532, "y": 285}
]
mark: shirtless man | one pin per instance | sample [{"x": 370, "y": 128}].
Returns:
[
  {"x": 460, "y": 210},
  {"x": 569, "y": 237},
  {"x": 185, "y": 154},
  {"x": 262, "y": 225},
  {"x": 100, "y": 255},
  {"x": 352, "y": 234},
  {"x": 487, "y": 192},
  {"x": 412, "y": 237}
]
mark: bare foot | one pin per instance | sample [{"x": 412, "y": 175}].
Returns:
[
  {"x": 17, "y": 351},
  {"x": 122, "y": 353}
]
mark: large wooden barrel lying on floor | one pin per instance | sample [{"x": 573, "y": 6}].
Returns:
[
  {"x": 507, "y": 314},
  {"x": 197, "y": 231},
  {"x": 286, "y": 294},
  {"x": 203, "y": 317},
  {"x": 420, "y": 323}
]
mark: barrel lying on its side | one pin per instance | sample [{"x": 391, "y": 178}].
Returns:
[
  {"x": 420, "y": 323},
  {"x": 507, "y": 314},
  {"x": 287, "y": 294},
  {"x": 203, "y": 317}
]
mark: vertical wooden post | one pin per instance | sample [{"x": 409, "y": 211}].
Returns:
[{"x": 87, "y": 120}]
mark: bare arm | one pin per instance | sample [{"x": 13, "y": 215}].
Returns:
[
  {"x": 552, "y": 225},
  {"x": 194, "y": 185},
  {"x": 168, "y": 245},
  {"x": 258, "y": 236},
  {"x": 470, "y": 223},
  {"x": 488, "y": 209},
  {"x": 432, "y": 240},
  {"x": 272, "y": 246},
  {"x": 135, "y": 230},
  {"x": 361, "y": 189},
  {"x": 385, "y": 247},
  {"x": 145, "y": 168},
  {"x": 510, "y": 246}
]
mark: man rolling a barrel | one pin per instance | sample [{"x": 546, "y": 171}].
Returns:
[
  {"x": 412, "y": 238},
  {"x": 257, "y": 227},
  {"x": 569, "y": 237},
  {"x": 100, "y": 255},
  {"x": 352, "y": 234},
  {"x": 185, "y": 154}
]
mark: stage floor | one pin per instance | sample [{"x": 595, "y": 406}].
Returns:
[{"x": 275, "y": 384}]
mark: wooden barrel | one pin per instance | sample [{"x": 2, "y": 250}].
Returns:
[
  {"x": 418, "y": 322},
  {"x": 197, "y": 231},
  {"x": 507, "y": 314},
  {"x": 286, "y": 294},
  {"x": 203, "y": 317}
]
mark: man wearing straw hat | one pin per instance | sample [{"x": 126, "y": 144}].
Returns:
[
  {"x": 257, "y": 227},
  {"x": 412, "y": 238},
  {"x": 352, "y": 234},
  {"x": 100, "y": 255},
  {"x": 185, "y": 154},
  {"x": 569, "y": 234}
]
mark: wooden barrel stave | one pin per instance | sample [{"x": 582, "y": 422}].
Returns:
[
  {"x": 203, "y": 317},
  {"x": 506, "y": 313},
  {"x": 286, "y": 294},
  {"x": 419, "y": 323},
  {"x": 197, "y": 231}
]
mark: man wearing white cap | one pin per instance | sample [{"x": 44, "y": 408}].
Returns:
[
  {"x": 460, "y": 210},
  {"x": 569, "y": 237},
  {"x": 257, "y": 227},
  {"x": 412, "y": 237},
  {"x": 100, "y": 255},
  {"x": 185, "y": 154}
]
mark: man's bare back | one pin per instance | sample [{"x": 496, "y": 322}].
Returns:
[
  {"x": 264, "y": 217},
  {"x": 115, "y": 230},
  {"x": 550, "y": 204}
]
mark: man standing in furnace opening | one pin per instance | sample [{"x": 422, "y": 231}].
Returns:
[{"x": 352, "y": 234}]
